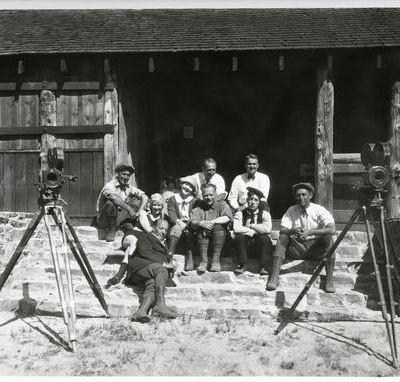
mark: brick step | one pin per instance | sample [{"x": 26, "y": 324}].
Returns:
[{"x": 125, "y": 308}]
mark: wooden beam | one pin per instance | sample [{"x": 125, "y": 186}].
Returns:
[
  {"x": 109, "y": 150},
  {"x": 86, "y": 129},
  {"x": 47, "y": 117},
  {"x": 347, "y": 158},
  {"x": 324, "y": 143},
  {"x": 393, "y": 201},
  {"x": 44, "y": 85}
]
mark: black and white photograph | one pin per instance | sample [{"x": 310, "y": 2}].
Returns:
[{"x": 199, "y": 189}]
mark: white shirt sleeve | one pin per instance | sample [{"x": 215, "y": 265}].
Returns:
[
  {"x": 265, "y": 185},
  {"x": 238, "y": 226},
  {"x": 220, "y": 184},
  {"x": 287, "y": 220},
  {"x": 234, "y": 193},
  {"x": 325, "y": 216}
]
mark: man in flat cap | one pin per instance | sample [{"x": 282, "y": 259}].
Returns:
[
  {"x": 306, "y": 233},
  {"x": 252, "y": 227},
  {"x": 119, "y": 203}
]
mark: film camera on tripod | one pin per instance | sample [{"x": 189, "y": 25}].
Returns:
[
  {"x": 51, "y": 180},
  {"x": 372, "y": 196}
]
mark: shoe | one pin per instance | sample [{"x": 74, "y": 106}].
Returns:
[
  {"x": 329, "y": 266},
  {"x": 141, "y": 314},
  {"x": 329, "y": 286},
  {"x": 202, "y": 267},
  {"x": 110, "y": 236},
  {"x": 160, "y": 309},
  {"x": 240, "y": 269},
  {"x": 215, "y": 267},
  {"x": 263, "y": 271}
]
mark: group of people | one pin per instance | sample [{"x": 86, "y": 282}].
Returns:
[{"x": 199, "y": 216}]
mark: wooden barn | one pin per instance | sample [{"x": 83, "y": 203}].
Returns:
[{"x": 302, "y": 88}]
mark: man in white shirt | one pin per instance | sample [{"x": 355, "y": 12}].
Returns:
[
  {"x": 306, "y": 233},
  {"x": 119, "y": 203},
  {"x": 210, "y": 176},
  {"x": 251, "y": 178},
  {"x": 252, "y": 227}
]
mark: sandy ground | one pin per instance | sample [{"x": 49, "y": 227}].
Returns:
[{"x": 186, "y": 346}]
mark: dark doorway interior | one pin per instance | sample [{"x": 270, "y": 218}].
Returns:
[{"x": 230, "y": 115}]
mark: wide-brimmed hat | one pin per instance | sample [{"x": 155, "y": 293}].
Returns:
[
  {"x": 305, "y": 185},
  {"x": 256, "y": 191},
  {"x": 190, "y": 181},
  {"x": 124, "y": 167}
]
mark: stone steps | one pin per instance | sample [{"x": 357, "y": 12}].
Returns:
[{"x": 207, "y": 295}]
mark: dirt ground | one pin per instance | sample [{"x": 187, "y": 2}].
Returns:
[{"x": 187, "y": 346}]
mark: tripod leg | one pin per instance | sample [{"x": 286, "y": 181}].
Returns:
[
  {"x": 71, "y": 309},
  {"x": 21, "y": 245},
  {"x": 84, "y": 264},
  {"x": 318, "y": 270},
  {"x": 57, "y": 271},
  {"x": 389, "y": 281},
  {"x": 380, "y": 288}
]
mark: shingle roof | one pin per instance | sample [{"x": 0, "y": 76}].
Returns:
[{"x": 96, "y": 31}]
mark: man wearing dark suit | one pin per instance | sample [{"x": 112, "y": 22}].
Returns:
[{"x": 150, "y": 264}]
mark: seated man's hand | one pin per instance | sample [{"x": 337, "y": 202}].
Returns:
[
  {"x": 169, "y": 266},
  {"x": 206, "y": 224},
  {"x": 112, "y": 281}
]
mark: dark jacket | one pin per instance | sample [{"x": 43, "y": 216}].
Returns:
[
  {"x": 173, "y": 209},
  {"x": 149, "y": 250}
]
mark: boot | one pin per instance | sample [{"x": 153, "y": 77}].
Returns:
[
  {"x": 110, "y": 233},
  {"x": 218, "y": 239},
  {"x": 203, "y": 247},
  {"x": 141, "y": 314},
  {"x": 160, "y": 309},
  {"x": 172, "y": 243},
  {"x": 240, "y": 269},
  {"x": 189, "y": 261},
  {"x": 329, "y": 266},
  {"x": 273, "y": 280}
]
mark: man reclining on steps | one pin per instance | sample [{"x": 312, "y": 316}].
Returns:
[
  {"x": 306, "y": 233},
  {"x": 149, "y": 265}
]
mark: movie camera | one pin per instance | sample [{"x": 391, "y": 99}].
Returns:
[
  {"x": 373, "y": 191},
  {"x": 51, "y": 175},
  {"x": 51, "y": 180}
]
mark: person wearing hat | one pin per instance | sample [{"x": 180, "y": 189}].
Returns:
[
  {"x": 251, "y": 178},
  {"x": 209, "y": 175},
  {"x": 252, "y": 227},
  {"x": 145, "y": 223},
  {"x": 306, "y": 233},
  {"x": 208, "y": 220},
  {"x": 119, "y": 203},
  {"x": 179, "y": 207}
]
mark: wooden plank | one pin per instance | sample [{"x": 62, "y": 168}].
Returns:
[
  {"x": 98, "y": 175},
  {"x": 9, "y": 182},
  {"x": 74, "y": 198},
  {"x": 75, "y": 85},
  {"x": 347, "y": 158},
  {"x": 2, "y": 182},
  {"x": 8, "y": 86},
  {"x": 20, "y": 182},
  {"x": 86, "y": 181},
  {"x": 8, "y": 111},
  {"x": 393, "y": 201},
  {"x": 28, "y": 110},
  {"x": 32, "y": 175},
  {"x": 324, "y": 145},
  {"x": 92, "y": 114},
  {"x": 348, "y": 167}
]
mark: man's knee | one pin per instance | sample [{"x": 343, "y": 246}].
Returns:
[
  {"x": 109, "y": 209},
  {"x": 176, "y": 231},
  {"x": 283, "y": 240}
]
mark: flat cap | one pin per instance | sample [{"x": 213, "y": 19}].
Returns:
[
  {"x": 124, "y": 167},
  {"x": 256, "y": 191},
  {"x": 305, "y": 185}
]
